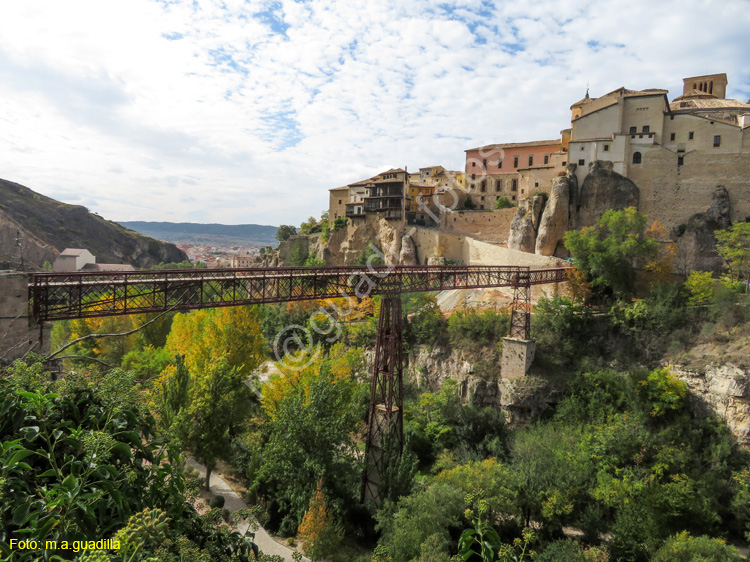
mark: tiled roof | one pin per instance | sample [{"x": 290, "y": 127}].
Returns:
[
  {"x": 518, "y": 145},
  {"x": 710, "y": 103}
]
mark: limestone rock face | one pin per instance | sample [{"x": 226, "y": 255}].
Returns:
[
  {"x": 723, "y": 391},
  {"x": 555, "y": 218},
  {"x": 696, "y": 242},
  {"x": 525, "y": 224},
  {"x": 603, "y": 189},
  {"x": 408, "y": 254}
]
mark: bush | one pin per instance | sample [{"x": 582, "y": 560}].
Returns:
[
  {"x": 503, "y": 203},
  {"x": 477, "y": 328},
  {"x": 217, "y": 502},
  {"x": 340, "y": 223},
  {"x": 685, "y": 548}
]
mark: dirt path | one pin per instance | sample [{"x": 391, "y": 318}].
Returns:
[{"x": 233, "y": 503}]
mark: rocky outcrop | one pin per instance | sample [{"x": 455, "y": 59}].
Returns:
[
  {"x": 555, "y": 219},
  {"x": 723, "y": 391},
  {"x": 696, "y": 242},
  {"x": 603, "y": 189},
  {"x": 346, "y": 245},
  {"x": 408, "y": 254},
  {"x": 523, "y": 229}
]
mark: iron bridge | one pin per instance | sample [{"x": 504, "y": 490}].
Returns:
[{"x": 62, "y": 296}]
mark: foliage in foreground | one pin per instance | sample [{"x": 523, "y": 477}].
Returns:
[{"x": 78, "y": 463}]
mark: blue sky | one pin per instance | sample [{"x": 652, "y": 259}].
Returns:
[{"x": 248, "y": 112}]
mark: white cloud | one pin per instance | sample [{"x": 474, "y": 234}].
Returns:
[{"x": 240, "y": 112}]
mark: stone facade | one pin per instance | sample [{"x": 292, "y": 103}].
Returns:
[{"x": 18, "y": 333}]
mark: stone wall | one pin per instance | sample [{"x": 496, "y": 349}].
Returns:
[
  {"x": 490, "y": 226},
  {"x": 671, "y": 194},
  {"x": 18, "y": 334}
]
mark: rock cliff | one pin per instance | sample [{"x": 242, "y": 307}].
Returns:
[
  {"x": 696, "y": 242},
  {"x": 723, "y": 391},
  {"x": 603, "y": 189},
  {"x": 540, "y": 224},
  {"x": 523, "y": 229},
  {"x": 557, "y": 216}
]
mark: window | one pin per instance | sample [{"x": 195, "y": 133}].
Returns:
[
  {"x": 523, "y": 191},
  {"x": 482, "y": 197},
  {"x": 546, "y": 158},
  {"x": 636, "y": 158},
  {"x": 633, "y": 130},
  {"x": 606, "y": 148},
  {"x": 680, "y": 160},
  {"x": 484, "y": 163},
  {"x": 484, "y": 186},
  {"x": 513, "y": 198},
  {"x": 646, "y": 129},
  {"x": 672, "y": 136},
  {"x": 536, "y": 184},
  {"x": 499, "y": 162},
  {"x": 691, "y": 135},
  {"x": 515, "y": 161},
  {"x": 339, "y": 201},
  {"x": 581, "y": 147},
  {"x": 717, "y": 140},
  {"x": 581, "y": 162},
  {"x": 531, "y": 159},
  {"x": 473, "y": 176},
  {"x": 671, "y": 117},
  {"x": 514, "y": 185},
  {"x": 498, "y": 185},
  {"x": 564, "y": 162},
  {"x": 473, "y": 164}
]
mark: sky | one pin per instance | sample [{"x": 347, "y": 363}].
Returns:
[{"x": 243, "y": 112}]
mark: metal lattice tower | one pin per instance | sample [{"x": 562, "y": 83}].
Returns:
[
  {"x": 385, "y": 423},
  {"x": 520, "y": 321}
]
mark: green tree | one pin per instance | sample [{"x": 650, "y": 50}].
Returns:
[
  {"x": 503, "y": 203},
  {"x": 733, "y": 245},
  {"x": 308, "y": 226},
  {"x": 700, "y": 285},
  {"x": 610, "y": 251},
  {"x": 285, "y": 231},
  {"x": 218, "y": 402},
  {"x": 311, "y": 436}
]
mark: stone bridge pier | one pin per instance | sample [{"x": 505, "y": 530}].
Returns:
[{"x": 19, "y": 333}]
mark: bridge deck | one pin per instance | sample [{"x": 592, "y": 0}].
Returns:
[{"x": 60, "y": 296}]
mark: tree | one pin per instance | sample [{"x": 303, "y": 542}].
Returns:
[
  {"x": 204, "y": 336},
  {"x": 285, "y": 231},
  {"x": 733, "y": 245},
  {"x": 318, "y": 532},
  {"x": 217, "y": 403},
  {"x": 610, "y": 251},
  {"x": 308, "y": 226},
  {"x": 314, "y": 415},
  {"x": 503, "y": 203}
]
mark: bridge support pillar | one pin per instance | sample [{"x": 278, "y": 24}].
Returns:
[
  {"x": 519, "y": 348},
  {"x": 18, "y": 332},
  {"x": 385, "y": 430},
  {"x": 518, "y": 355}
]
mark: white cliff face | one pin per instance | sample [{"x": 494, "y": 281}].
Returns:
[{"x": 723, "y": 390}]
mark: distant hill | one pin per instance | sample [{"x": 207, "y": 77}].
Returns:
[
  {"x": 242, "y": 234},
  {"x": 47, "y": 227}
]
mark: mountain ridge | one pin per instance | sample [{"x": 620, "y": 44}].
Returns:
[{"x": 47, "y": 226}]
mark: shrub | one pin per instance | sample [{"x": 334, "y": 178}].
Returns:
[
  {"x": 685, "y": 548},
  {"x": 503, "y": 203},
  {"x": 216, "y": 502}
]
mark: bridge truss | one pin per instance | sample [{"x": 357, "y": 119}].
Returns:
[{"x": 61, "y": 296}]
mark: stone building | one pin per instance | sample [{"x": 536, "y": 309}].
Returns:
[
  {"x": 677, "y": 153},
  {"x": 512, "y": 170}
]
